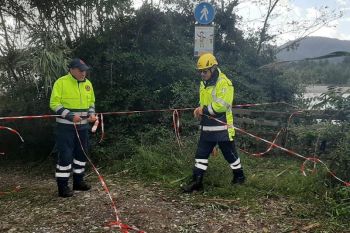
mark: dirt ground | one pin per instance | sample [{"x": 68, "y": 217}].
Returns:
[{"x": 35, "y": 207}]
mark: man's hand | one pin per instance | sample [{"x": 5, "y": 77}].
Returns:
[
  {"x": 76, "y": 118},
  {"x": 198, "y": 112},
  {"x": 92, "y": 118}
]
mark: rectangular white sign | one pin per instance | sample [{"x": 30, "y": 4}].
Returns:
[{"x": 203, "y": 40}]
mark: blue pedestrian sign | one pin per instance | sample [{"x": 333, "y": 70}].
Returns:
[{"x": 204, "y": 13}]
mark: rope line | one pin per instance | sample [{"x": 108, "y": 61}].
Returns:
[
  {"x": 312, "y": 159},
  {"x": 123, "y": 227}
]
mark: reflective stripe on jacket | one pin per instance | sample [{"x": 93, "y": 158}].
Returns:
[
  {"x": 216, "y": 98},
  {"x": 70, "y": 96}
]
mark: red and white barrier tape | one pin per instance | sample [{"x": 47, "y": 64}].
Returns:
[
  {"x": 27, "y": 117},
  {"x": 312, "y": 159},
  {"x": 123, "y": 227},
  {"x": 141, "y": 111},
  {"x": 176, "y": 124},
  {"x": 146, "y": 111},
  {"x": 95, "y": 125},
  {"x": 268, "y": 149},
  {"x": 12, "y": 131},
  {"x": 261, "y": 104},
  {"x": 16, "y": 189},
  {"x": 102, "y": 129}
]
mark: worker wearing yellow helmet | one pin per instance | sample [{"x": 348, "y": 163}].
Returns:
[{"x": 216, "y": 95}]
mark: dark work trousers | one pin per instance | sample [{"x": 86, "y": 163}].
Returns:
[
  {"x": 204, "y": 150},
  {"x": 70, "y": 155}
]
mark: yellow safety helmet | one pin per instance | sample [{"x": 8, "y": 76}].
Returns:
[{"x": 206, "y": 61}]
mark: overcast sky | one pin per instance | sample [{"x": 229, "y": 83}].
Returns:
[
  {"x": 298, "y": 10},
  {"x": 342, "y": 27}
]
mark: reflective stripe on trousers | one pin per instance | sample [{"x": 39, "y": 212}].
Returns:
[
  {"x": 70, "y": 155},
  {"x": 204, "y": 150}
]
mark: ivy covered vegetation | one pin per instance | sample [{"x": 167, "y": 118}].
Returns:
[{"x": 143, "y": 59}]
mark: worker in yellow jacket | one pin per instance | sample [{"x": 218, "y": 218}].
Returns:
[
  {"x": 73, "y": 99},
  {"x": 216, "y": 96}
]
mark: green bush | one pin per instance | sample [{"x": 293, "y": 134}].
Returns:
[
  {"x": 327, "y": 141},
  {"x": 339, "y": 203}
]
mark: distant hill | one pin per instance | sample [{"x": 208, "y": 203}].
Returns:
[{"x": 313, "y": 47}]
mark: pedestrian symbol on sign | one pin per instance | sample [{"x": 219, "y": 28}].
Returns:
[{"x": 204, "y": 13}]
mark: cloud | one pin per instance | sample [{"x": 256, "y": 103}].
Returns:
[
  {"x": 342, "y": 2},
  {"x": 253, "y": 12},
  {"x": 297, "y": 11},
  {"x": 327, "y": 32},
  {"x": 347, "y": 19},
  {"x": 312, "y": 13},
  {"x": 344, "y": 37},
  {"x": 345, "y": 9}
]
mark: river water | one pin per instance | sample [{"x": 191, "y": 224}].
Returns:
[{"x": 314, "y": 91}]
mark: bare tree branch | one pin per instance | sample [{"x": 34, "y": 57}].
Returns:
[{"x": 263, "y": 34}]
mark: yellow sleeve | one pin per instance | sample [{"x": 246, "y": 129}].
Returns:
[
  {"x": 224, "y": 96},
  {"x": 56, "y": 96}
]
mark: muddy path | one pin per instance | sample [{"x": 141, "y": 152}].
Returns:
[{"x": 35, "y": 207}]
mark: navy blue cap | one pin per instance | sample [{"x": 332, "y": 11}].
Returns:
[{"x": 78, "y": 63}]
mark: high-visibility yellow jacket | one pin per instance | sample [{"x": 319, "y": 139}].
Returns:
[
  {"x": 70, "y": 96},
  {"x": 216, "y": 97}
]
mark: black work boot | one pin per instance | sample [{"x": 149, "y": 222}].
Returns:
[
  {"x": 195, "y": 184},
  {"x": 81, "y": 186},
  {"x": 64, "y": 191},
  {"x": 238, "y": 177}
]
